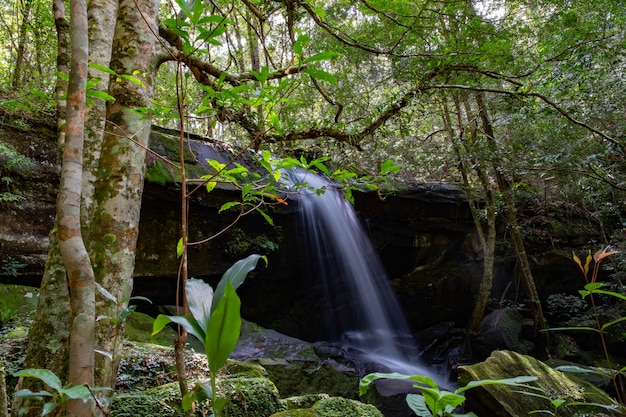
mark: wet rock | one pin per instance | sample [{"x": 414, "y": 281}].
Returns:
[
  {"x": 579, "y": 398},
  {"x": 500, "y": 329}
]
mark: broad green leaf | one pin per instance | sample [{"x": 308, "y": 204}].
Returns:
[
  {"x": 224, "y": 328},
  {"x": 101, "y": 95},
  {"x": 519, "y": 381},
  {"x": 418, "y": 405},
  {"x": 228, "y": 205},
  {"x": 46, "y": 376},
  {"x": 48, "y": 408},
  {"x": 578, "y": 369},
  {"x": 322, "y": 56},
  {"x": 199, "y": 298},
  {"x": 39, "y": 395},
  {"x": 102, "y": 68},
  {"x": 198, "y": 10},
  {"x": 320, "y": 75},
  {"x": 210, "y": 186},
  {"x": 78, "y": 392},
  {"x": 132, "y": 79},
  {"x": 368, "y": 379},
  {"x": 188, "y": 323},
  {"x": 447, "y": 401},
  {"x": 236, "y": 275},
  {"x": 610, "y": 293}
]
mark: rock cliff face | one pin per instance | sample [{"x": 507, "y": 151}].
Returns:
[{"x": 424, "y": 235}]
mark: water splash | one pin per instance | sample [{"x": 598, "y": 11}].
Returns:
[{"x": 364, "y": 312}]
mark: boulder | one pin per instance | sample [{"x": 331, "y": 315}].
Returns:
[
  {"x": 500, "y": 329},
  {"x": 552, "y": 389},
  {"x": 249, "y": 397}
]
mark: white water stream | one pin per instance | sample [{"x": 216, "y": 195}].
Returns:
[{"x": 365, "y": 314}]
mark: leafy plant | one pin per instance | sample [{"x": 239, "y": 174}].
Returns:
[
  {"x": 215, "y": 320},
  {"x": 55, "y": 396},
  {"x": 593, "y": 287},
  {"x": 433, "y": 401}
]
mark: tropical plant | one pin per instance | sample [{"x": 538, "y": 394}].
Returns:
[
  {"x": 215, "y": 320},
  {"x": 55, "y": 396},
  {"x": 432, "y": 401}
]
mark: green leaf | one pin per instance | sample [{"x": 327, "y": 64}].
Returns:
[
  {"x": 78, "y": 392},
  {"x": 187, "y": 322},
  {"x": 322, "y": 56},
  {"x": 389, "y": 166},
  {"x": 48, "y": 408},
  {"x": 102, "y": 95},
  {"x": 39, "y": 395},
  {"x": 228, "y": 205},
  {"x": 301, "y": 42},
  {"x": 132, "y": 79},
  {"x": 180, "y": 247},
  {"x": 210, "y": 186},
  {"x": 127, "y": 312},
  {"x": 320, "y": 75},
  {"x": 224, "y": 328},
  {"x": 519, "y": 381},
  {"x": 46, "y": 376},
  {"x": 236, "y": 275},
  {"x": 102, "y": 68},
  {"x": 368, "y": 379},
  {"x": 199, "y": 298},
  {"x": 106, "y": 294},
  {"x": 266, "y": 216},
  {"x": 418, "y": 405},
  {"x": 611, "y": 323}
]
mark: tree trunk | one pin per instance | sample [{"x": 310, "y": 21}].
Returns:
[
  {"x": 73, "y": 251},
  {"x": 21, "y": 45},
  {"x": 488, "y": 237},
  {"x": 516, "y": 235},
  {"x": 119, "y": 187}
]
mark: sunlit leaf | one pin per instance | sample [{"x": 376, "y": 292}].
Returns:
[
  {"x": 236, "y": 275},
  {"x": 46, "y": 376},
  {"x": 199, "y": 297},
  {"x": 322, "y": 56},
  {"x": 228, "y": 205},
  {"x": 180, "y": 248},
  {"x": 106, "y": 294},
  {"x": 224, "y": 327}
]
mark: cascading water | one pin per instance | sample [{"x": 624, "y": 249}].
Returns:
[{"x": 364, "y": 312}]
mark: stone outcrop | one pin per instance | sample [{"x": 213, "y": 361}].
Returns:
[
  {"x": 550, "y": 391},
  {"x": 424, "y": 235}
]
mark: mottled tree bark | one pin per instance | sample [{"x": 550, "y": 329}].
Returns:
[
  {"x": 118, "y": 190},
  {"x": 73, "y": 251}
]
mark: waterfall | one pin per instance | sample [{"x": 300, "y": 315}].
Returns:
[{"x": 364, "y": 313}]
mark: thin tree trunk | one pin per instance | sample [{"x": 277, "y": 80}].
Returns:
[
  {"x": 63, "y": 59},
  {"x": 488, "y": 238},
  {"x": 21, "y": 45},
  {"x": 118, "y": 190},
  {"x": 75, "y": 258},
  {"x": 516, "y": 235}
]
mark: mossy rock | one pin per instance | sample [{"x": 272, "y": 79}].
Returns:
[
  {"x": 507, "y": 401},
  {"x": 17, "y": 304},
  {"x": 297, "y": 412},
  {"x": 303, "y": 401},
  {"x": 343, "y": 407},
  {"x": 249, "y": 397},
  {"x": 139, "y": 329}
]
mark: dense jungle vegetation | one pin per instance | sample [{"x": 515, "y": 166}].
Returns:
[{"x": 515, "y": 100}]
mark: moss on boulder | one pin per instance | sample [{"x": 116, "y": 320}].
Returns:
[
  {"x": 249, "y": 397},
  {"x": 506, "y": 401},
  {"x": 329, "y": 407}
]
